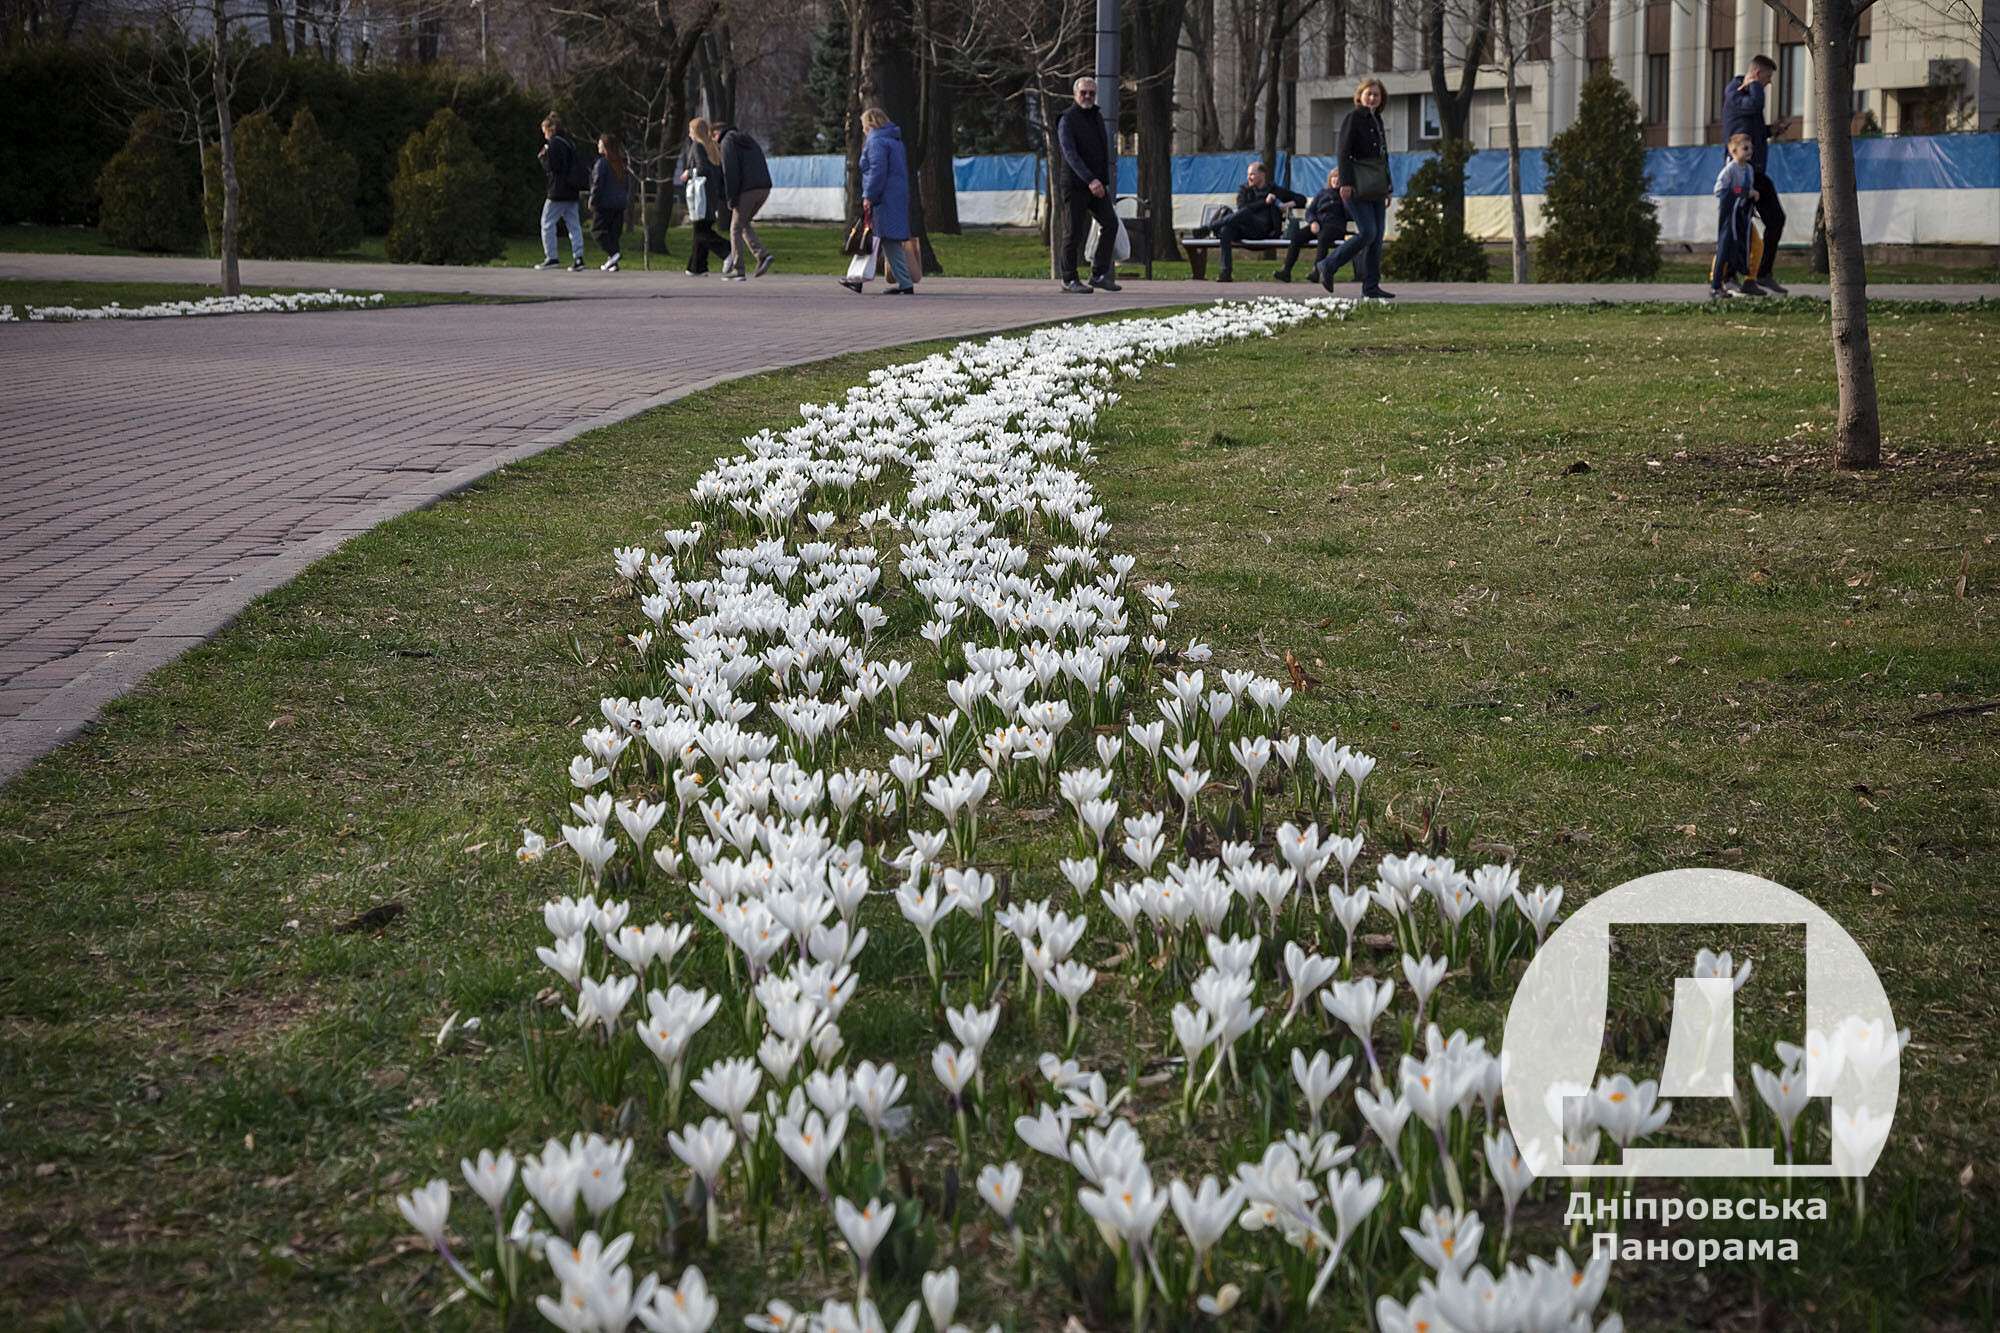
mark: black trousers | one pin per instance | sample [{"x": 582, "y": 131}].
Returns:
[
  {"x": 608, "y": 225},
  {"x": 1245, "y": 224},
  {"x": 1083, "y": 206},
  {"x": 1300, "y": 236},
  {"x": 707, "y": 243},
  {"x": 1771, "y": 212}
]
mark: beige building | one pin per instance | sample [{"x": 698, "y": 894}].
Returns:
[{"x": 1923, "y": 68}]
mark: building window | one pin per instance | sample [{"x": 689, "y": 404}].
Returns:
[
  {"x": 1861, "y": 107},
  {"x": 1336, "y": 40},
  {"x": 1791, "y": 79},
  {"x": 1656, "y": 90},
  {"x": 1428, "y": 125},
  {"x": 1862, "y": 50},
  {"x": 1385, "y": 34},
  {"x": 1721, "y": 69}
]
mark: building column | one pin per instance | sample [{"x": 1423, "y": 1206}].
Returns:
[
  {"x": 1627, "y": 36},
  {"x": 1682, "y": 63},
  {"x": 1750, "y": 28},
  {"x": 1566, "y": 74},
  {"x": 1808, "y": 124}
]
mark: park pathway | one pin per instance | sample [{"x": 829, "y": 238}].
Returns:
[{"x": 157, "y": 476}]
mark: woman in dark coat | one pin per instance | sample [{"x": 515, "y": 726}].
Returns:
[
  {"x": 703, "y": 159},
  {"x": 610, "y": 195},
  {"x": 1362, "y": 139}
]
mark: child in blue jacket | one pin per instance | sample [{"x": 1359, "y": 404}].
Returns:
[{"x": 1735, "y": 192}]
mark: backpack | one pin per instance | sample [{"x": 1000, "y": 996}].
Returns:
[{"x": 578, "y": 176}]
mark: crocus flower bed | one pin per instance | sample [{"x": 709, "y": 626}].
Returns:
[
  {"x": 284, "y": 303},
  {"x": 783, "y": 806}
]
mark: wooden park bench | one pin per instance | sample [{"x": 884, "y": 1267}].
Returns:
[{"x": 1199, "y": 248}]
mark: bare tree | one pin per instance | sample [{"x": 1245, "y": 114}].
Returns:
[
  {"x": 1156, "y": 28},
  {"x": 1039, "y": 47},
  {"x": 1454, "y": 103},
  {"x": 195, "y": 53},
  {"x": 1831, "y": 33},
  {"x": 1281, "y": 25},
  {"x": 1201, "y": 44}
]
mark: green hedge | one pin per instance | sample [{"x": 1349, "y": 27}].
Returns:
[{"x": 50, "y": 161}]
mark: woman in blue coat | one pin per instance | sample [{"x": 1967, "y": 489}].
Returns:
[{"x": 885, "y": 197}]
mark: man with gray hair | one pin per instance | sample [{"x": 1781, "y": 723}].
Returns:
[{"x": 1087, "y": 161}]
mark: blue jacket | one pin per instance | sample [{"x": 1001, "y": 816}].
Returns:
[
  {"x": 885, "y": 183},
  {"x": 1743, "y": 113}
]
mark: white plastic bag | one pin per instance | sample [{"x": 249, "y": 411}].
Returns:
[
  {"x": 697, "y": 198},
  {"x": 862, "y": 268}
]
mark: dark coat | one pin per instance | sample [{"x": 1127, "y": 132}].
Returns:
[
  {"x": 1080, "y": 135},
  {"x": 609, "y": 190},
  {"x": 1327, "y": 210},
  {"x": 885, "y": 183},
  {"x": 743, "y": 166},
  {"x": 558, "y": 155},
  {"x": 694, "y": 162},
  {"x": 1361, "y": 135},
  {"x": 1257, "y": 218},
  {"x": 1743, "y": 113}
]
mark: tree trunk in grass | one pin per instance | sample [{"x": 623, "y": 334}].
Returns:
[
  {"x": 1830, "y": 38},
  {"x": 1156, "y": 28},
  {"x": 1510, "y": 66},
  {"x": 893, "y": 77},
  {"x": 225, "y": 126}
]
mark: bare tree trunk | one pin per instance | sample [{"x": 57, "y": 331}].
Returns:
[
  {"x": 1858, "y": 425},
  {"x": 1510, "y": 68},
  {"x": 857, "y": 50},
  {"x": 1274, "y": 56},
  {"x": 225, "y": 125},
  {"x": 936, "y": 130},
  {"x": 274, "y": 15},
  {"x": 1202, "y": 39},
  {"x": 1156, "y": 26},
  {"x": 1058, "y": 191},
  {"x": 1454, "y": 106},
  {"x": 894, "y": 78}
]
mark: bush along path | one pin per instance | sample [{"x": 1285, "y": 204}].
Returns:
[{"x": 796, "y": 858}]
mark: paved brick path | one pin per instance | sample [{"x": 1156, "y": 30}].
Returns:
[{"x": 157, "y": 476}]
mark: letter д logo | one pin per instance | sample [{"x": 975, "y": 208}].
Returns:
[{"x": 1555, "y": 1029}]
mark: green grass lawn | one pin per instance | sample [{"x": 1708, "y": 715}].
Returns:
[
  {"x": 22, "y": 293},
  {"x": 981, "y": 252},
  {"x": 1580, "y": 578}
]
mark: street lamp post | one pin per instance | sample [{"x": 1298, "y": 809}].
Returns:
[{"x": 1107, "y": 82}]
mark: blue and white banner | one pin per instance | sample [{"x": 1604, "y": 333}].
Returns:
[{"x": 1914, "y": 190}]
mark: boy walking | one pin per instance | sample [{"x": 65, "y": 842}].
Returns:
[
  {"x": 1735, "y": 194},
  {"x": 567, "y": 177}
]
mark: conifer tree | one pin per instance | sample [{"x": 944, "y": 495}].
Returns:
[{"x": 1599, "y": 224}]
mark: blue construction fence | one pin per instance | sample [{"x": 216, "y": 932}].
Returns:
[{"x": 1931, "y": 189}]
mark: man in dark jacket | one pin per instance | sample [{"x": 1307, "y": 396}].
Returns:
[
  {"x": 1087, "y": 157},
  {"x": 1325, "y": 226},
  {"x": 1259, "y": 214},
  {"x": 1743, "y": 113},
  {"x": 559, "y": 165},
  {"x": 746, "y": 186}
]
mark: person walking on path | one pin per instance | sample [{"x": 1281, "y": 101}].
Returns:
[
  {"x": 1735, "y": 196},
  {"x": 1259, "y": 214},
  {"x": 1325, "y": 226},
  {"x": 1363, "y": 150},
  {"x": 702, "y": 161},
  {"x": 1743, "y": 113},
  {"x": 567, "y": 176},
  {"x": 1087, "y": 156},
  {"x": 746, "y": 185},
  {"x": 885, "y": 198},
  {"x": 610, "y": 195}
]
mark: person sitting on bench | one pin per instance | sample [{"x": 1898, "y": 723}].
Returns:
[
  {"x": 1325, "y": 225},
  {"x": 1259, "y": 214}
]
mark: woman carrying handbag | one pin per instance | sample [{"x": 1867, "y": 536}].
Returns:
[
  {"x": 1365, "y": 187},
  {"x": 885, "y": 202},
  {"x": 700, "y": 180}
]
